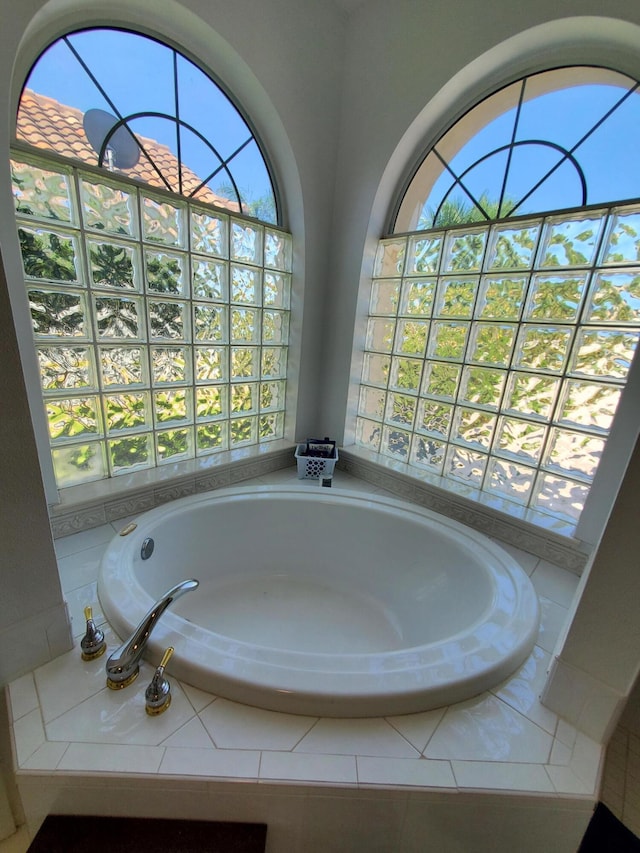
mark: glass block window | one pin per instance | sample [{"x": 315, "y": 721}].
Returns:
[
  {"x": 496, "y": 354},
  {"x": 160, "y": 324}
]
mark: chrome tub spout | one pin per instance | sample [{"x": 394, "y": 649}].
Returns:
[{"x": 124, "y": 664}]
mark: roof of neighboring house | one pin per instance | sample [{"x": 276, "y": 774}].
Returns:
[{"x": 45, "y": 123}]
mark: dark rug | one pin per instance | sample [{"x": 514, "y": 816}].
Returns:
[
  {"x": 606, "y": 834},
  {"x": 75, "y": 834}
]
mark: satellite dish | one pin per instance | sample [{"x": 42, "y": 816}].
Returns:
[{"x": 125, "y": 151}]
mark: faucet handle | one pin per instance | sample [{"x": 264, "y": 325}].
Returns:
[
  {"x": 93, "y": 644},
  {"x": 157, "y": 696}
]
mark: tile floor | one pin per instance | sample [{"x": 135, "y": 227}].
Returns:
[{"x": 64, "y": 719}]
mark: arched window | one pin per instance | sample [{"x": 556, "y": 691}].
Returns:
[
  {"x": 505, "y": 306},
  {"x": 157, "y": 273}
]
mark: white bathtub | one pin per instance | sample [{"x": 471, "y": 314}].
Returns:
[{"x": 323, "y": 601}]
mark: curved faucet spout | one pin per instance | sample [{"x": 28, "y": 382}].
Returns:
[{"x": 124, "y": 664}]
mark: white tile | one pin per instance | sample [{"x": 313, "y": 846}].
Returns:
[
  {"x": 356, "y": 737},
  {"x": 46, "y": 757},
  {"x": 235, "y": 726},
  {"x": 552, "y": 620},
  {"x": 192, "y": 735},
  {"x": 84, "y": 540},
  {"x": 526, "y": 560},
  {"x": 415, "y": 772},
  {"x": 114, "y": 758},
  {"x": 66, "y": 681},
  {"x": 560, "y": 753},
  {"x": 554, "y": 583},
  {"x": 565, "y": 781},
  {"x": 225, "y": 763},
  {"x": 306, "y": 767},
  {"x": 586, "y": 758},
  {"x": 486, "y": 729},
  {"x": 79, "y": 598},
  {"x": 23, "y": 695},
  {"x": 81, "y": 568},
  {"x": 522, "y": 691},
  {"x": 499, "y": 775},
  {"x": 28, "y": 733},
  {"x": 198, "y": 698},
  {"x": 418, "y": 728}
]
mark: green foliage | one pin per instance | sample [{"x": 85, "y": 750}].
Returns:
[{"x": 46, "y": 254}]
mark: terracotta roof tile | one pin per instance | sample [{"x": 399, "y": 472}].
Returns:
[{"x": 45, "y": 123}]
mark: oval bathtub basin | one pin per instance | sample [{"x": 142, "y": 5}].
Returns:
[{"x": 326, "y": 602}]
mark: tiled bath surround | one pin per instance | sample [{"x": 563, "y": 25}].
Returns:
[{"x": 83, "y": 748}]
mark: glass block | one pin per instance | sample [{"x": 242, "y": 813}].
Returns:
[
  {"x": 212, "y": 437},
  {"x": 465, "y": 465},
  {"x": 174, "y": 444},
  {"x": 210, "y": 323},
  {"x": 246, "y": 242},
  {"x": 49, "y": 254},
  {"x": 448, "y": 340},
  {"x": 78, "y": 463},
  {"x": 271, "y": 426},
  {"x": 417, "y": 296},
  {"x": 396, "y": 443},
  {"x": 456, "y": 297},
  {"x": 474, "y": 427},
  {"x": 121, "y": 366},
  {"x": 108, "y": 208},
  {"x": 574, "y": 453},
  {"x": 211, "y": 402},
  {"x": 274, "y": 363},
  {"x": 113, "y": 265},
  {"x": 73, "y": 418},
  {"x": 464, "y": 250},
  {"x": 411, "y": 337},
  {"x": 244, "y": 398},
  {"x": 65, "y": 367},
  {"x": 622, "y": 244},
  {"x": 614, "y": 298},
  {"x": 210, "y": 280},
  {"x": 371, "y": 402},
  {"x": 380, "y": 332},
  {"x": 556, "y": 298},
  {"x": 434, "y": 418},
  {"x": 172, "y": 406},
  {"x": 244, "y": 363},
  {"x": 427, "y": 452},
  {"x": 40, "y": 192},
  {"x": 501, "y": 298},
  {"x": 211, "y": 364},
  {"x": 58, "y": 314},
  {"x": 124, "y": 412},
  {"x": 277, "y": 250},
  {"x": 559, "y": 496},
  {"x": 117, "y": 317},
  {"x": 604, "y": 352},
  {"x": 401, "y": 409},
  {"x": 510, "y": 480},
  {"x": 167, "y": 319},
  {"x": 390, "y": 257},
  {"x": 368, "y": 434},
  {"x": 245, "y": 285},
  {"x": 245, "y": 325},
  {"x": 531, "y": 395},
  {"x": 243, "y": 431},
  {"x": 209, "y": 233},
  {"x": 169, "y": 364},
  {"x": 276, "y": 289},
  {"x": 570, "y": 242},
  {"x": 375, "y": 369},
  {"x": 384, "y": 297},
  {"x": 424, "y": 254},
  {"x": 405, "y": 374},
  {"x": 482, "y": 386},
  {"x": 492, "y": 343},
  {"x": 441, "y": 380},
  {"x": 513, "y": 247},
  {"x": 162, "y": 222},
  {"x": 589, "y": 404},
  {"x": 165, "y": 273},
  {"x": 272, "y": 396},
  {"x": 542, "y": 347},
  {"x": 130, "y": 453},
  {"x": 521, "y": 439},
  {"x": 275, "y": 327}
]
